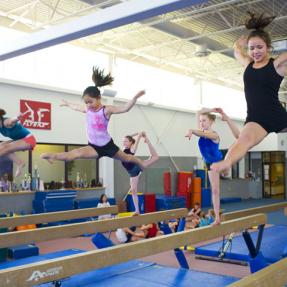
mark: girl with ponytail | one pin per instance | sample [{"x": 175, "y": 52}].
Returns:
[
  {"x": 130, "y": 147},
  {"x": 262, "y": 78},
  {"x": 100, "y": 143},
  {"x": 21, "y": 139}
]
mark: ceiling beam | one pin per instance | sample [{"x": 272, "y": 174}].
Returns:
[{"x": 99, "y": 21}]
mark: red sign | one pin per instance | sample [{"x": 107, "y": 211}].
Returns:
[{"x": 35, "y": 115}]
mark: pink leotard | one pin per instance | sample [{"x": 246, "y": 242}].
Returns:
[{"x": 97, "y": 127}]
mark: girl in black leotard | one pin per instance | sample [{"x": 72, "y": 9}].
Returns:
[
  {"x": 262, "y": 78},
  {"x": 134, "y": 171}
]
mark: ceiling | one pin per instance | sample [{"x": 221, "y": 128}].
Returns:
[{"x": 196, "y": 41}]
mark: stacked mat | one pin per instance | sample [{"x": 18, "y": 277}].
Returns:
[
  {"x": 164, "y": 202},
  {"x": 53, "y": 201}
]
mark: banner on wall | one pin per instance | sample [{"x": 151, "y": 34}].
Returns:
[{"x": 35, "y": 115}]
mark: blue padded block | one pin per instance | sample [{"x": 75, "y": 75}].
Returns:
[
  {"x": 164, "y": 202},
  {"x": 257, "y": 263},
  {"x": 272, "y": 247},
  {"x": 39, "y": 258},
  {"x": 86, "y": 203},
  {"x": 141, "y": 274},
  {"x": 101, "y": 241},
  {"x": 205, "y": 197},
  {"x": 23, "y": 251},
  {"x": 130, "y": 203}
]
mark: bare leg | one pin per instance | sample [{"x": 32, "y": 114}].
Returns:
[
  {"x": 134, "y": 189},
  {"x": 153, "y": 153},
  {"x": 19, "y": 163},
  {"x": 214, "y": 181},
  {"x": 251, "y": 135},
  {"x": 122, "y": 156},
  {"x": 86, "y": 152},
  {"x": 12, "y": 146}
]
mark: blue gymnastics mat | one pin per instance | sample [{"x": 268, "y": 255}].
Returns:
[
  {"x": 134, "y": 273},
  {"x": 38, "y": 258},
  {"x": 142, "y": 274},
  {"x": 272, "y": 246}
]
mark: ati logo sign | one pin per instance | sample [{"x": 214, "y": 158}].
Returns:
[
  {"x": 35, "y": 115},
  {"x": 38, "y": 275}
]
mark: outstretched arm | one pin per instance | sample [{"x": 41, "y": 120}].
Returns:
[
  {"x": 233, "y": 127},
  {"x": 240, "y": 51},
  {"x": 123, "y": 108},
  {"x": 73, "y": 106},
  {"x": 210, "y": 135},
  {"x": 10, "y": 122},
  {"x": 135, "y": 147}
]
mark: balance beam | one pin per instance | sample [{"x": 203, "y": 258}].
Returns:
[
  {"x": 255, "y": 210},
  {"x": 273, "y": 275},
  {"x": 56, "y": 269},
  {"x": 56, "y": 216},
  {"x": 44, "y": 234},
  {"x": 285, "y": 211}
]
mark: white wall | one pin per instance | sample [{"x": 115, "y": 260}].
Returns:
[{"x": 67, "y": 126}]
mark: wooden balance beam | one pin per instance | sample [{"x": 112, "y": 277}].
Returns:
[
  {"x": 56, "y": 216},
  {"x": 273, "y": 275},
  {"x": 255, "y": 210},
  {"x": 9, "y": 239},
  {"x": 56, "y": 269}
]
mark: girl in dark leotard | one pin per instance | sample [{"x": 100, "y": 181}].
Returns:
[
  {"x": 262, "y": 78},
  {"x": 134, "y": 171}
]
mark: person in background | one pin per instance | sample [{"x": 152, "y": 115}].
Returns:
[
  {"x": 134, "y": 171},
  {"x": 104, "y": 203},
  {"x": 194, "y": 212}
]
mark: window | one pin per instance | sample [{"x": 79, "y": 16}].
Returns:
[{"x": 84, "y": 171}]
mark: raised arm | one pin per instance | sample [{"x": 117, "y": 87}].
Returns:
[
  {"x": 233, "y": 127},
  {"x": 135, "y": 147},
  {"x": 10, "y": 122},
  {"x": 280, "y": 64},
  {"x": 73, "y": 106},
  {"x": 240, "y": 51},
  {"x": 123, "y": 108}
]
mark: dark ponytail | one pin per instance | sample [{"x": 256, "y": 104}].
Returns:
[
  {"x": 100, "y": 80},
  {"x": 2, "y": 113},
  {"x": 131, "y": 139},
  {"x": 257, "y": 23}
]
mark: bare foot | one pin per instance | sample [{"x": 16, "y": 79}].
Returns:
[
  {"x": 216, "y": 222},
  {"x": 48, "y": 156},
  {"x": 221, "y": 167},
  {"x": 19, "y": 169}
]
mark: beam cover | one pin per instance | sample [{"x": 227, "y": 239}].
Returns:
[
  {"x": 250, "y": 211},
  {"x": 56, "y": 216}
]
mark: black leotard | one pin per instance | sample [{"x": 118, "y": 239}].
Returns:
[{"x": 261, "y": 88}]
